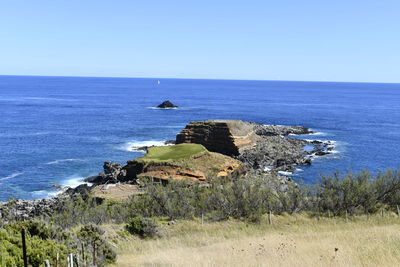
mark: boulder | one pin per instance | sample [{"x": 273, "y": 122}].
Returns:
[{"x": 113, "y": 173}]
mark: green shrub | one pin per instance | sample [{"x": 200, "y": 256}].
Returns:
[{"x": 143, "y": 227}]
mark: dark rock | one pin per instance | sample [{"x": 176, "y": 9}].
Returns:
[
  {"x": 167, "y": 104},
  {"x": 82, "y": 189},
  {"x": 20, "y": 210},
  {"x": 322, "y": 153},
  {"x": 113, "y": 173},
  {"x": 170, "y": 142},
  {"x": 274, "y": 130}
]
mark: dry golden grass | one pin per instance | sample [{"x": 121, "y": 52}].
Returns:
[{"x": 291, "y": 241}]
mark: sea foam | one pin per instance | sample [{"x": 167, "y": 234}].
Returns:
[
  {"x": 134, "y": 146},
  {"x": 62, "y": 160},
  {"x": 13, "y": 175}
]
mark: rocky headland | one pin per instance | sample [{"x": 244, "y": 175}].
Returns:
[
  {"x": 226, "y": 148},
  {"x": 191, "y": 162},
  {"x": 258, "y": 146}
]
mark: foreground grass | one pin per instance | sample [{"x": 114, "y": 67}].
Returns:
[
  {"x": 291, "y": 241},
  {"x": 162, "y": 153}
]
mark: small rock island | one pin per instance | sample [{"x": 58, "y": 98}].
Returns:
[{"x": 167, "y": 104}]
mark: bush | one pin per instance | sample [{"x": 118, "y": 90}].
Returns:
[
  {"x": 143, "y": 227},
  {"x": 43, "y": 242},
  {"x": 91, "y": 236}
]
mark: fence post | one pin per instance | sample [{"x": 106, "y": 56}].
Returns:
[
  {"x": 70, "y": 260},
  {"x": 24, "y": 247},
  {"x": 270, "y": 217},
  {"x": 83, "y": 253},
  {"x": 78, "y": 262},
  {"x": 47, "y": 263},
  {"x": 398, "y": 211},
  {"x": 57, "y": 260},
  {"x": 382, "y": 213},
  {"x": 347, "y": 217},
  {"x": 94, "y": 253},
  {"x": 202, "y": 218}
]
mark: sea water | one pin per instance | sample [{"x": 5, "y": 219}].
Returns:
[{"x": 58, "y": 130}]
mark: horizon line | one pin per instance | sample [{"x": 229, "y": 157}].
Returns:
[{"x": 170, "y": 78}]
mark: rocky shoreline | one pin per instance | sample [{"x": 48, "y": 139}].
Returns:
[{"x": 264, "y": 150}]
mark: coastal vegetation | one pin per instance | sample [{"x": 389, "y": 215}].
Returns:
[{"x": 238, "y": 203}]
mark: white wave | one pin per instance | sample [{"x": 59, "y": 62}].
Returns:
[
  {"x": 13, "y": 175},
  {"x": 159, "y": 108},
  {"x": 298, "y": 170},
  {"x": 318, "y": 133},
  {"x": 134, "y": 146},
  {"x": 40, "y": 194},
  {"x": 62, "y": 160},
  {"x": 285, "y": 173},
  {"x": 74, "y": 181},
  {"x": 48, "y": 98},
  {"x": 70, "y": 182},
  {"x": 15, "y": 99}
]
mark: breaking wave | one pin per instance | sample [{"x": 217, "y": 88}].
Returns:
[{"x": 62, "y": 160}]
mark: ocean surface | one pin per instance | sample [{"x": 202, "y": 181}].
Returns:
[{"x": 58, "y": 130}]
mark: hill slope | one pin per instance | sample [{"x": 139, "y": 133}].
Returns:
[{"x": 291, "y": 241}]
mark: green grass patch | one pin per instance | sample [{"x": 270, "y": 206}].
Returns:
[{"x": 165, "y": 153}]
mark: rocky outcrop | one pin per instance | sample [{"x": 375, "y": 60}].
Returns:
[
  {"x": 199, "y": 167},
  {"x": 259, "y": 146},
  {"x": 167, "y": 104},
  {"x": 276, "y": 130},
  {"x": 228, "y": 137},
  {"x": 113, "y": 173},
  {"x": 202, "y": 167},
  {"x": 17, "y": 210}
]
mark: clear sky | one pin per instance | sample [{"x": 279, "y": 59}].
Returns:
[{"x": 316, "y": 40}]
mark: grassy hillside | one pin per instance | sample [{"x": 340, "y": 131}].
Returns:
[
  {"x": 164, "y": 153},
  {"x": 297, "y": 240},
  {"x": 185, "y": 162}
]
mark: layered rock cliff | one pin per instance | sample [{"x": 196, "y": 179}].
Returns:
[
  {"x": 259, "y": 146},
  {"x": 228, "y": 137}
]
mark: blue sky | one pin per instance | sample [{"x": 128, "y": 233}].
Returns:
[{"x": 313, "y": 40}]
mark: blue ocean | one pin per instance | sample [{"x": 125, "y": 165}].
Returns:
[{"x": 58, "y": 130}]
